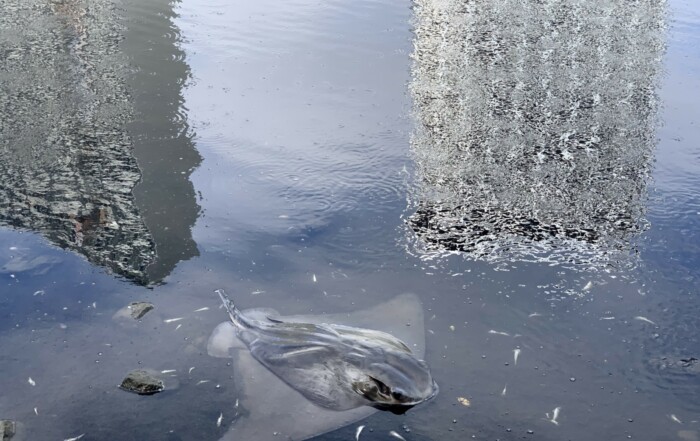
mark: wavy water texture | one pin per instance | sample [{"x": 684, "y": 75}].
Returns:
[{"x": 536, "y": 127}]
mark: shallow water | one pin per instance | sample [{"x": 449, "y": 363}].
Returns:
[{"x": 157, "y": 151}]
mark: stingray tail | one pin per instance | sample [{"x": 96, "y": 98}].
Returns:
[{"x": 233, "y": 312}]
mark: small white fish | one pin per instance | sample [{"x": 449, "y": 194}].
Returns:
[
  {"x": 168, "y": 371},
  {"x": 41, "y": 292},
  {"x": 644, "y": 319},
  {"x": 555, "y": 415},
  {"x": 36, "y": 411},
  {"x": 397, "y": 436},
  {"x": 256, "y": 292},
  {"x": 220, "y": 419},
  {"x": 206, "y": 308},
  {"x": 31, "y": 382},
  {"x": 452, "y": 327},
  {"x": 178, "y": 326},
  {"x": 675, "y": 418},
  {"x": 177, "y": 319},
  {"x": 607, "y": 318},
  {"x": 535, "y": 314},
  {"x": 74, "y": 439},
  {"x": 358, "y": 432},
  {"x": 505, "y": 389},
  {"x": 314, "y": 277},
  {"x": 516, "y": 354},
  {"x": 191, "y": 369},
  {"x": 94, "y": 305},
  {"x": 202, "y": 382},
  {"x": 63, "y": 326},
  {"x": 588, "y": 286},
  {"x": 492, "y": 331}
]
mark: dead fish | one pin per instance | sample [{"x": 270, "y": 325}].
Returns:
[
  {"x": 75, "y": 439},
  {"x": 588, "y": 286},
  {"x": 177, "y": 319},
  {"x": 535, "y": 314},
  {"x": 516, "y": 354},
  {"x": 168, "y": 371},
  {"x": 505, "y": 388},
  {"x": 555, "y": 415},
  {"x": 206, "y": 308},
  {"x": 464, "y": 401},
  {"x": 644, "y": 319},
  {"x": 675, "y": 419},
  {"x": 31, "y": 382},
  {"x": 358, "y": 432},
  {"x": 492, "y": 331},
  {"x": 336, "y": 367},
  {"x": 397, "y": 436},
  {"x": 220, "y": 419}
]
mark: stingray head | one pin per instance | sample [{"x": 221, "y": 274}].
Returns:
[{"x": 396, "y": 383}]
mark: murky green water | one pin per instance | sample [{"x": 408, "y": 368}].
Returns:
[{"x": 528, "y": 169}]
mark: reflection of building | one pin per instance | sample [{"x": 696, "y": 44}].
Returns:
[
  {"x": 536, "y": 125},
  {"x": 67, "y": 164}
]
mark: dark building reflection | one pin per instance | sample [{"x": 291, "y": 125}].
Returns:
[
  {"x": 536, "y": 125},
  {"x": 74, "y": 164}
]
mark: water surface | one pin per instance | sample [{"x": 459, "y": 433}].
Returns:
[{"x": 288, "y": 152}]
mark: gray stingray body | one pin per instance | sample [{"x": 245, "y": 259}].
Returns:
[{"x": 301, "y": 376}]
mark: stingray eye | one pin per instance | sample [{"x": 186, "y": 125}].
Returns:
[
  {"x": 398, "y": 395},
  {"x": 383, "y": 388}
]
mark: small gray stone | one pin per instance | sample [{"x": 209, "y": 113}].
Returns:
[
  {"x": 8, "y": 428},
  {"x": 139, "y": 309},
  {"x": 142, "y": 382}
]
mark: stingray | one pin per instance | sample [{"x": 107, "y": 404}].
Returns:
[{"x": 301, "y": 376}]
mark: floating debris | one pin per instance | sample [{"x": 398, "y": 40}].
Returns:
[
  {"x": 31, "y": 382},
  {"x": 516, "y": 354},
  {"x": 464, "y": 401},
  {"x": 220, "y": 419},
  {"x": 505, "y": 388},
  {"x": 644, "y": 319},
  {"x": 139, "y": 309},
  {"x": 358, "y": 432},
  {"x": 142, "y": 382},
  {"x": 206, "y": 308},
  {"x": 555, "y": 415},
  {"x": 396, "y": 435},
  {"x": 492, "y": 331},
  {"x": 75, "y": 438},
  {"x": 171, "y": 320},
  {"x": 675, "y": 418}
]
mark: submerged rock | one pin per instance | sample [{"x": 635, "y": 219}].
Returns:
[
  {"x": 8, "y": 429},
  {"x": 142, "y": 382},
  {"x": 139, "y": 309}
]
